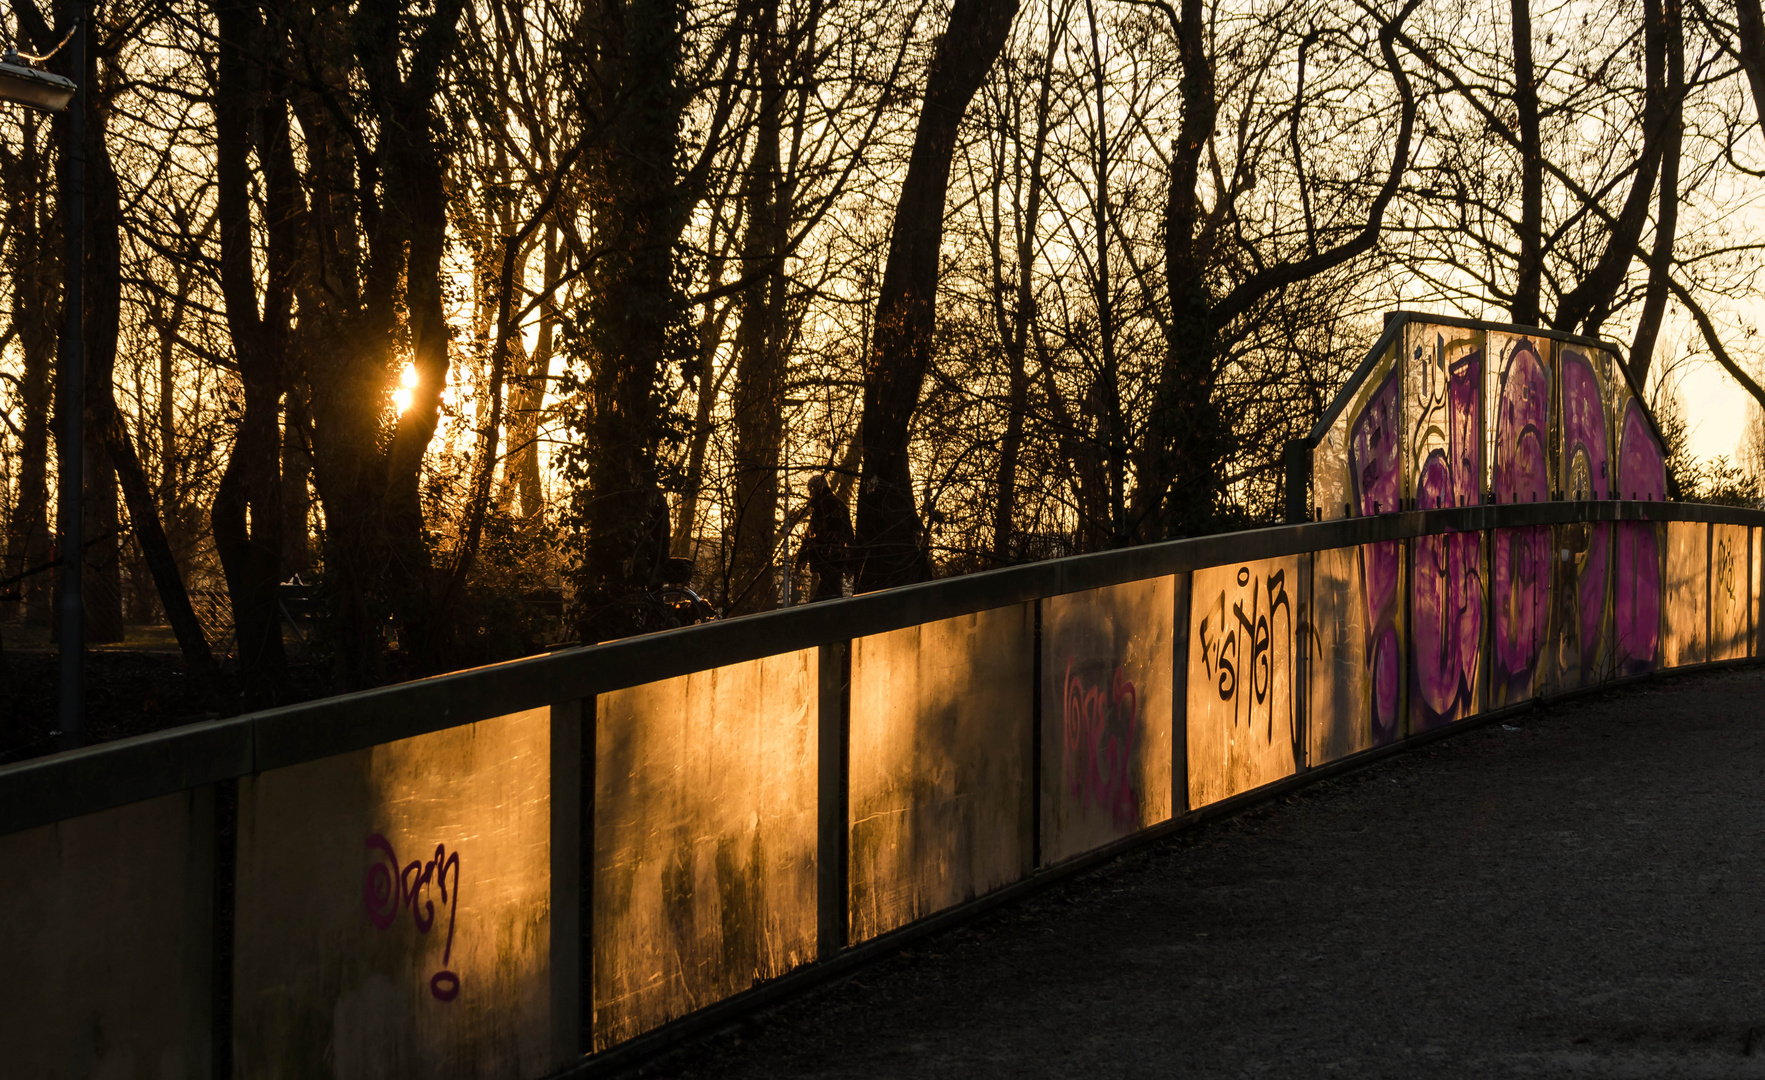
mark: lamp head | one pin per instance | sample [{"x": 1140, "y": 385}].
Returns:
[{"x": 32, "y": 88}]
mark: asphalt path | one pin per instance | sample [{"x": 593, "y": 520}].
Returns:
[{"x": 1576, "y": 892}]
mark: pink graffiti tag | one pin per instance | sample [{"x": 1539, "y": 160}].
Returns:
[
  {"x": 388, "y": 888},
  {"x": 1101, "y": 729}
]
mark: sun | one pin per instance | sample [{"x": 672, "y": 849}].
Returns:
[{"x": 407, "y": 382}]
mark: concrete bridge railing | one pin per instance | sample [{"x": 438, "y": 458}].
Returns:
[{"x": 552, "y": 864}]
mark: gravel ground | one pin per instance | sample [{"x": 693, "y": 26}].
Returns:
[{"x": 1575, "y": 893}]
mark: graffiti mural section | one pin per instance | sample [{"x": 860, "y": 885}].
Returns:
[
  {"x": 1520, "y": 584},
  {"x": 393, "y": 909},
  {"x": 1586, "y": 424},
  {"x": 1243, "y": 726},
  {"x": 1358, "y": 462},
  {"x": 1686, "y": 599},
  {"x": 1581, "y": 650},
  {"x": 1445, "y": 424},
  {"x": 705, "y": 800},
  {"x": 1453, "y": 417},
  {"x": 1518, "y": 421},
  {"x": 1443, "y": 415},
  {"x": 106, "y": 943},
  {"x": 941, "y": 731},
  {"x": 1448, "y": 599},
  {"x": 1517, "y": 399},
  {"x": 1106, "y": 713},
  {"x": 1729, "y": 592},
  {"x": 1639, "y": 574}
]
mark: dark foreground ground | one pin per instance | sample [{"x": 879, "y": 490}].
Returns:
[{"x": 1579, "y": 892}]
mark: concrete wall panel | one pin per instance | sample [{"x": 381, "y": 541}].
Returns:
[
  {"x": 1638, "y": 579},
  {"x": 1521, "y": 567},
  {"x": 1685, "y": 598},
  {"x": 105, "y": 944},
  {"x": 1581, "y": 650},
  {"x": 1449, "y": 629},
  {"x": 940, "y": 780},
  {"x": 704, "y": 839},
  {"x": 393, "y": 914},
  {"x": 1106, "y": 714},
  {"x": 1244, "y": 729},
  {"x": 1756, "y": 542},
  {"x": 1340, "y": 721},
  {"x": 1728, "y": 592}
]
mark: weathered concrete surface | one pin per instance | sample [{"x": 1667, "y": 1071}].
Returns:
[{"x": 1579, "y": 892}]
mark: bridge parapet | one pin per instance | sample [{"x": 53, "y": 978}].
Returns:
[{"x": 496, "y": 872}]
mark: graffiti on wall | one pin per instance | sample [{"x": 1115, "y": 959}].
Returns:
[
  {"x": 1521, "y": 558},
  {"x": 1585, "y": 458},
  {"x": 1584, "y": 551},
  {"x": 1522, "y": 426},
  {"x": 1106, "y": 712},
  {"x": 1454, "y": 417},
  {"x": 1728, "y": 592},
  {"x": 1101, "y": 725},
  {"x": 1374, "y": 468},
  {"x": 1637, "y": 579},
  {"x": 1446, "y": 602},
  {"x": 1241, "y": 648},
  {"x": 391, "y": 888},
  {"x": 1242, "y": 675}
]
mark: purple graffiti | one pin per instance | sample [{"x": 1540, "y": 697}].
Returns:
[
  {"x": 1585, "y": 458},
  {"x": 1636, "y": 592},
  {"x": 1446, "y": 604},
  {"x": 1101, "y": 728},
  {"x": 1521, "y": 571},
  {"x": 1586, "y": 475},
  {"x": 1522, "y": 418},
  {"x": 1373, "y": 467},
  {"x": 389, "y": 888}
]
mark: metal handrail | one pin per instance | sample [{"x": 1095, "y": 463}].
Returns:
[{"x": 94, "y": 778}]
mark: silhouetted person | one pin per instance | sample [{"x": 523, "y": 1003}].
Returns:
[{"x": 828, "y": 547}]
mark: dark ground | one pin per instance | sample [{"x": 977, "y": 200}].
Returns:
[{"x": 1578, "y": 892}]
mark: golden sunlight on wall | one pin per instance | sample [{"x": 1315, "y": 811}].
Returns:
[{"x": 394, "y": 910}]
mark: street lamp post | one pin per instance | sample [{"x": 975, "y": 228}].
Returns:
[{"x": 25, "y": 85}]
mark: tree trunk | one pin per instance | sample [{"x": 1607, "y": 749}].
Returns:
[
  {"x": 710, "y": 334},
  {"x": 635, "y": 313},
  {"x": 247, "y": 512},
  {"x": 155, "y": 551},
  {"x": 297, "y": 468},
  {"x": 173, "y": 514},
  {"x": 1529, "y": 273},
  {"x": 1186, "y": 436},
  {"x": 521, "y": 473},
  {"x": 760, "y": 361},
  {"x": 1654, "y": 306},
  {"x": 103, "y": 296},
  {"x": 1014, "y": 330},
  {"x": 888, "y": 525},
  {"x": 35, "y": 270}
]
